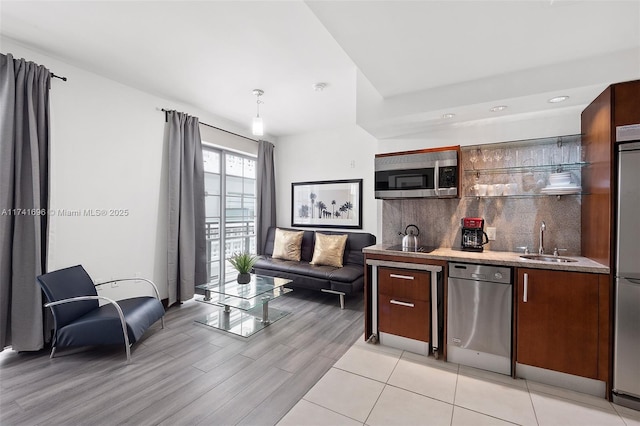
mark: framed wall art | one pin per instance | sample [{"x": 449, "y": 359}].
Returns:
[{"x": 327, "y": 204}]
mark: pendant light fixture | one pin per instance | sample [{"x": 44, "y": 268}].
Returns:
[{"x": 258, "y": 127}]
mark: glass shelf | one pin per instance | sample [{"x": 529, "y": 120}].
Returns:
[
  {"x": 520, "y": 196},
  {"x": 527, "y": 164},
  {"x": 548, "y": 141},
  {"x": 528, "y": 168}
]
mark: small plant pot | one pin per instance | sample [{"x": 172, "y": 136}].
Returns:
[{"x": 244, "y": 278}]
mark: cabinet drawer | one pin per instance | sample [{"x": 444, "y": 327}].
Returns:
[
  {"x": 404, "y": 283},
  {"x": 404, "y": 317}
]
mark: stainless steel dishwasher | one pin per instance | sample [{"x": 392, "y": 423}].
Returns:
[{"x": 479, "y": 316}]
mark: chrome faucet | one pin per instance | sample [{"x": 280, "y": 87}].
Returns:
[{"x": 543, "y": 228}]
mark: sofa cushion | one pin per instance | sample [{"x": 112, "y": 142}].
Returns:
[
  {"x": 356, "y": 241},
  {"x": 348, "y": 288},
  {"x": 329, "y": 250},
  {"x": 306, "y": 250},
  {"x": 345, "y": 274},
  {"x": 287, "y": 244},
  {"x": 292, "y": 267}
]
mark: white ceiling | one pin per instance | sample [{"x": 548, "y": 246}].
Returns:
[
  {"x": 421, "y": 57},
  {"x": 404, "y": 47}
]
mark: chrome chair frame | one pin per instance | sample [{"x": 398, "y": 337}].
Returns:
[
  {"x": 117, "y": 307},
  {"x": 155, "y": 288}
]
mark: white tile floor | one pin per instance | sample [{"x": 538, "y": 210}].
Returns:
[{"x": 377, "y": 385}]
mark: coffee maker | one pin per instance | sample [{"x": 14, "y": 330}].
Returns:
[{"x": 473, "y": 235}]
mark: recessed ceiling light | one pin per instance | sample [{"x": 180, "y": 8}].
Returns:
[
  {"x": 558, "y": 99},
  {"x": 498, "y": 108},
  {"x": 448, "y": 115},
  {"x": 319, "y": 87}
]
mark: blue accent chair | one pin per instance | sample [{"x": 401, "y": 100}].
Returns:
[{"x": 81, "y": 321}]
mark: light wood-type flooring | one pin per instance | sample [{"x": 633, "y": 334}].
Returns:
[{"x": 186, "y": 373}]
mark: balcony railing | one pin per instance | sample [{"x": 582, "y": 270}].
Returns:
[{"x": 239, "y": 237}]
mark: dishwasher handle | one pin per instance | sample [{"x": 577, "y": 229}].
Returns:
[{"x": 525, "y": 288}]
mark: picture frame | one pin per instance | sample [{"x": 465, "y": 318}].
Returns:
[{"x": 327, "y": 204}]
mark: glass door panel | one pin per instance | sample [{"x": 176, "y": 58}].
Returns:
[{"x": 230, "y": 198}]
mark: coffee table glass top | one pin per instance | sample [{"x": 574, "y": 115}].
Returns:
[
  {"x": 259, "y": 285},
  {"x": 250, "y": 301},
  {"x": 245, "y": 296}
]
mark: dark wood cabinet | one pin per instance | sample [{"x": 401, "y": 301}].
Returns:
[
  {"x": 617, "y": 105},
  {"x": 596, "y": 220},
  {"x": 560, "y": 322},
  {"x": 403, "y": 303}
]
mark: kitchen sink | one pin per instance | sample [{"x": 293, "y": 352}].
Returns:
[{"x": 547, "y": 258}]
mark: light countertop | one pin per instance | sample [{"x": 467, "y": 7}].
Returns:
[{"x": 488, "y": 257}]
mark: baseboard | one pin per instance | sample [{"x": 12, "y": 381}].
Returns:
[
  {"x": 563, "y": 380},
  {"x": 404, "y": 343},
  {"x": 626, "y": 401}
]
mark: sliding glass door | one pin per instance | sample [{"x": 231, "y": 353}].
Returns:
[{"x": 230, "y": 199}]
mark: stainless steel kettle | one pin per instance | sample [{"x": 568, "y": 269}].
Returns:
[{"x": 410, "y": 240}]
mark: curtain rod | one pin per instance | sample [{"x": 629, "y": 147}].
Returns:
[
  {"x": 213, "y": 127},
  {"x": 57, "y": 76}
]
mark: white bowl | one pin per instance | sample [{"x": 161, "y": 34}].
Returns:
[{"x": 559, "y": 180}]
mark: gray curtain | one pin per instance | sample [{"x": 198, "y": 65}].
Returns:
[
  {"x": 187, "y": 261},
  {"x": 266, "y": 196},
  {"x": 24, "y": 184}
]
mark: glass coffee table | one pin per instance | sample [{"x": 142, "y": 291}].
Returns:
[{"x": 246, "y": 306}]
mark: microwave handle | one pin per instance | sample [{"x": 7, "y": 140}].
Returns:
[{"x": 436, "y": 177}]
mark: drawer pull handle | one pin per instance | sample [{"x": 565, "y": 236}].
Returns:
[
  {"x": 397, "y": 302},
  {"x": 402, "y": 277},
  {"x": 526, "y": 287}
]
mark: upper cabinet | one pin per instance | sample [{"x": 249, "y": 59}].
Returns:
[{"x": 535, "y": 167}]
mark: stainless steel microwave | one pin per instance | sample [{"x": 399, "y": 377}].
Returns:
[{"x": 428, "y": 173}]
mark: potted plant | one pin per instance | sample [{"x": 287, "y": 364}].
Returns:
[{"x": 243, "y": 263}]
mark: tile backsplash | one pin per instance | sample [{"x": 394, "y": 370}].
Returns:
[{"x": 517, "y": 217}]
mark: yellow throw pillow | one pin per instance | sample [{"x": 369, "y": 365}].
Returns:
[
  {"x": 287, "y": 245},
  {"x": 329, "y": 250}
]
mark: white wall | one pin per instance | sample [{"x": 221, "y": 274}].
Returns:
[
  {"x": 326, "y": 155},
  {"x": 107, "y": 153}
]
